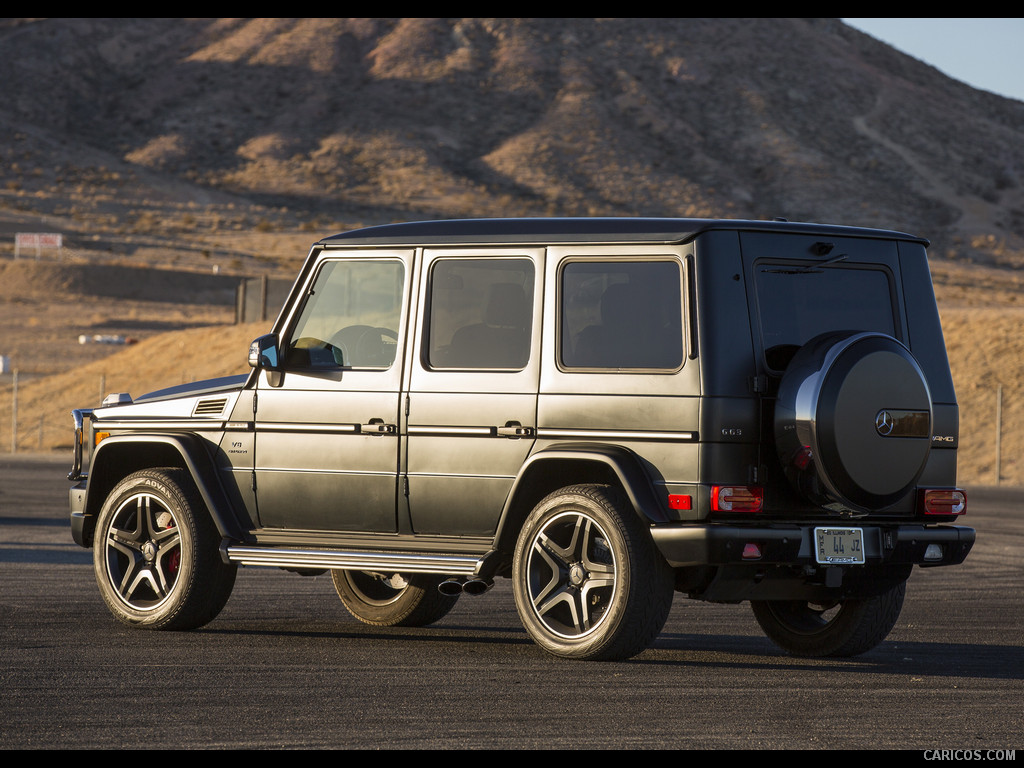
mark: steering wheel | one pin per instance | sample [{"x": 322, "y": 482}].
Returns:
[{"x": 364, "y": 345}]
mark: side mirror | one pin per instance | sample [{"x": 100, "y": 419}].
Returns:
[{"x": 263, "y": 353}]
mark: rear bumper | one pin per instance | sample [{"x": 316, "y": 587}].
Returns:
[{"x": 781, "y": 544}]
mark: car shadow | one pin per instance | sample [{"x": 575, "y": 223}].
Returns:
[{"x": 954, "y": 660}]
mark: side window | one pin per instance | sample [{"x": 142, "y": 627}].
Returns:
[
  {"x": 350, "y": 318},
  {"x": 622, "y": 315},
  {"x": 480, "y": 314}
]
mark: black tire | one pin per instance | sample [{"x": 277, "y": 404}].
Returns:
[
  {"x": 156, "y": 553},
  {"x": 392, "y": 600},
  {"x": 588, "y": 581},
  {"x": 845, "y": 628}
]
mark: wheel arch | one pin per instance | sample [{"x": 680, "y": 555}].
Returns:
[
  {"x": 118, "y": 456},
  {"x": 568, "y": 464}
]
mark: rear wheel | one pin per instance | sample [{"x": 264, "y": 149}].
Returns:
[
  {"x": 840, "y": 628},
  {"x": 588, "y": 580},
  {"x": 392, "y": 599},
  {"x": 156, "y": 555}
]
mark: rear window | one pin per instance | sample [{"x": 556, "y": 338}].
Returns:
[{"x": 797, "y": 301}]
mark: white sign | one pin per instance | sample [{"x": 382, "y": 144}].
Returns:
[{"x": 38, "y": 241}]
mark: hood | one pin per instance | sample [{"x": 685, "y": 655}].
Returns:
[
  {"x": 209, "y": 399},
  {"x": 196, "y": 388}
]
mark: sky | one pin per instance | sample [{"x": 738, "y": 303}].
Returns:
[{"x": 984, "y": 53}]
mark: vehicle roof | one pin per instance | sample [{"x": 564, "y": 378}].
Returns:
[{"x": 583, "y": 230}]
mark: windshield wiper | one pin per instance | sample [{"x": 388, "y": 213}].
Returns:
[{"x": 809, "y": 269}]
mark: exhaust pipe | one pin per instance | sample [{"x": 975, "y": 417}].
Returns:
[
  {"x": 477, "y": 586},
  {"x": 450, "y": 587},
  {"x": 454, "y": 587}
]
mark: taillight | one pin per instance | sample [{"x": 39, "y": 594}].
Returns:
[
  {"x": 737, "y": 498},
  {"x": 947, "y": 501}
]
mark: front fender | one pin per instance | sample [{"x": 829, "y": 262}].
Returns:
[{"x": 118, "y": 456}]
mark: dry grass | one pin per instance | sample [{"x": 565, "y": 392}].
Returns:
[{"x": 986, "y": 353}]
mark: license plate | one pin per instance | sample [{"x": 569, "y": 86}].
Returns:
[{"x": 839, "y": 546}]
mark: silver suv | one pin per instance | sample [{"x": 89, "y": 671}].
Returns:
[{"x": 605, "y": 411}]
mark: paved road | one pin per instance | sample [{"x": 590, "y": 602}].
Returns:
[{"x": 284, "y": 667}]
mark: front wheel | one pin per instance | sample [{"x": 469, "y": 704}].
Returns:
[
  {"x": 840, "y": 628},
  {"x": 156, "y": 555},
  {"x": 587, "y": 578},
  {"x": 392, "y": 599}
]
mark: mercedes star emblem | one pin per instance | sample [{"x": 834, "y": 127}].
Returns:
[{"x": 883, "y": 423}]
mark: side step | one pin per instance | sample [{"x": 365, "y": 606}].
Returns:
[{"x": 453, "y": 565}]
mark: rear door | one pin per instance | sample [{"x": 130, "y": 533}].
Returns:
[{"x": 473, "y": 386}]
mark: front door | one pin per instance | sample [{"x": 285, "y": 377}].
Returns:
[{"x": 327, "y": 443}]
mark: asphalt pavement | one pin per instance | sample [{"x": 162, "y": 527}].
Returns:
[{"x": 284, "y": 667}]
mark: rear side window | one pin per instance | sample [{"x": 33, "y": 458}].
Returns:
[
  {"x": 797, "y": 303},
  {"x": 480, "y": 314},
  {"x": 621, "y": 315}
]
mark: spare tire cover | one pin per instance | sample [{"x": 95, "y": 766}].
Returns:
[{"x": 853, "y": 421}]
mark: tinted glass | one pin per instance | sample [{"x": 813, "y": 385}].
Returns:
[
  {"x": 622, "y": 315},
  {"x": 480, "y": 313},
  {"x": 796, "y": 304},
  {"x": 350, "y": 317}
]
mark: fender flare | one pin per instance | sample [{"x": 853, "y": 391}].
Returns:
[
  {"x": 611, "y": 460},
  {"x": 105, "y": 472}
]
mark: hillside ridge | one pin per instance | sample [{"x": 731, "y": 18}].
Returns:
[{"x": 207, "y": 151}]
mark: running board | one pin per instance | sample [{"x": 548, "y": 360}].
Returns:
[{"x": 452, "y": 565}]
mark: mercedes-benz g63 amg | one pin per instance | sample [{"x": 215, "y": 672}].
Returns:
[{"x": 604, "y": 411}]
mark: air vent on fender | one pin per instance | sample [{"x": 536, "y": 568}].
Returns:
[{"x": 213, "y": 407}]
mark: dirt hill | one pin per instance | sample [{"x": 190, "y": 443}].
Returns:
[
  {"x": 189, "y": 130},
  {"x": 177, "y": 156}
]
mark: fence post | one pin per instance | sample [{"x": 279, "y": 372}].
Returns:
[
  {"x": 999, "y": 432},
  {"x": 240, "y": 302},
  {"x": 14, "y": 414}
]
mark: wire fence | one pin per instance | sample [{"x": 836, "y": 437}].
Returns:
[{"x": 43, "y": 426}]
